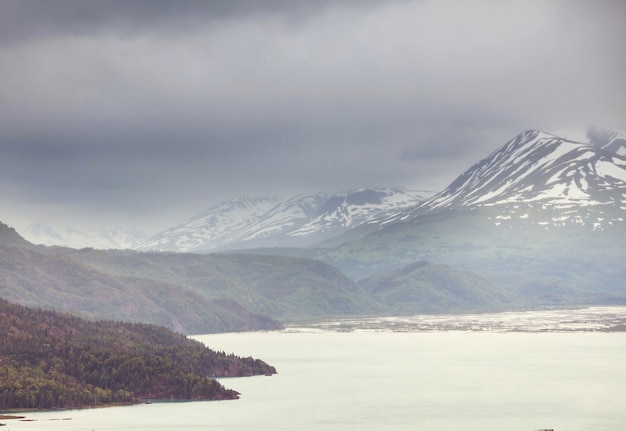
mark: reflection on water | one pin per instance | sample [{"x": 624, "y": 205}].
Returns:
[{"x": 584, "y": 319}]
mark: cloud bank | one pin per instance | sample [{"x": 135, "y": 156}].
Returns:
[{"x": 144, "y": 113}]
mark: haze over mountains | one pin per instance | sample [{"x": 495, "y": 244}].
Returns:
[
  {"x": 270, "y": 222},
  {"x": 246, "y": 222},
  {"x": 109, "y": 238},
  {"x": 573, "y": 178},
  {"x": 539, "y": 222}
]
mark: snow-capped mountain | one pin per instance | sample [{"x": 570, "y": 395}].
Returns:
[
  {"x": 557, "y": 180},
  {"x": 235, "y": 221},
  {"x": 105, "y": 239},
  {"x": 272, "y": 222}
]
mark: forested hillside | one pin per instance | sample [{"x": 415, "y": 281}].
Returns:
[
  {"x": 283, "y": 288},
  {"x": 41, "y": 276},
  {"x": 54, "y": 360}
]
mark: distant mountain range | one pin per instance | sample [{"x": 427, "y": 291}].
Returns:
[
  {"x": 104, "y": 239},
  {"x": 245, "y": 223},
  {"x": 539, "y": 222},
  {"x": 300, "y": 221},
  {"x": 570, "y": 182}
]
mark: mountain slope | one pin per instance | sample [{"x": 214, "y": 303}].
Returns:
[
  {"x": 283, "y": 288},
  {"x": 343, "y": 212},
  {"x": 270, "y": 222},
  {"x": 10, "y": 238},
  {"x": 243, "y": 220},
  {"x": 424, "y": 288},
  {"x": 61, "y": 282}
]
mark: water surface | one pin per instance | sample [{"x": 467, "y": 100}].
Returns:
[{"x": 380, "y": 379}]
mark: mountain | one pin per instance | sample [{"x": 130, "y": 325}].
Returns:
[
  {"x": 300, "y": 221},
  {"x": 555, "y": 180},
  {"x": 53, "y": 360},
  {"x": 542, "y": 216},
  {"x": 104, "y": 239}
]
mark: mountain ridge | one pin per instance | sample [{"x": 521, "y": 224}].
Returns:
[
  {"x": 302, "y": 220},
  {"x": 536, "y": 168}
]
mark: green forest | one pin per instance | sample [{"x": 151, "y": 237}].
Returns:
[{"x": 55, "y": 360}]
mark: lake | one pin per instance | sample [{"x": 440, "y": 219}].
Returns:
[{"x": 472, "y": 372}]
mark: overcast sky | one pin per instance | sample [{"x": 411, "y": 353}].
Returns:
[{"x": 145, "y": 113}]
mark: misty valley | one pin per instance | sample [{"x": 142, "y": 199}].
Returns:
[{"x": 529, "y": 241}]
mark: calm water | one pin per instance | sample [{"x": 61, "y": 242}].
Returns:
[{"x": 384, "y": 380}]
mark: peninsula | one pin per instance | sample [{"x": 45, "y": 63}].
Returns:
[{"x": 54, "y": 360}]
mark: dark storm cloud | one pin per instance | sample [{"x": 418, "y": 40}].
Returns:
[
  {"x": 26, "y": 19},
  {"x": 159, "y": 109}
]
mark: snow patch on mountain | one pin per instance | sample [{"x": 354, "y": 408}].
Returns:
[
  {"x": 352, "y": 209},
  {"x": 272, "y": 222}
]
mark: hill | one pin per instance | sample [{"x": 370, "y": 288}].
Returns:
[
  {"x": 54, "y": 360},
  {"x": 284, "y": 288},
  {"x": 424, "y": 288},
  {"x": 10, "y": 238},
  {"x": 53, "y": 279}
]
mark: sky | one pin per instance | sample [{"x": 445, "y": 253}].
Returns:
[{"x": 143, "y": 114}]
